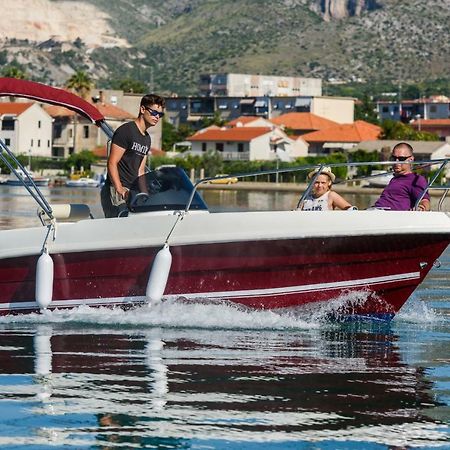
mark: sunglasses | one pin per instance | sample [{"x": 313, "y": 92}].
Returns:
[
  {"x": 154, "y": 113},
  {"x": 398, "y": 158}
]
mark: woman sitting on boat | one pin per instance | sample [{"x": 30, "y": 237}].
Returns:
[{"x": 321, "y": 197}]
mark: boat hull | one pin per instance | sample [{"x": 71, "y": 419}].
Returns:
[
  {"x": 370, "y": 274},
  {"x": 37, "y": 182}
]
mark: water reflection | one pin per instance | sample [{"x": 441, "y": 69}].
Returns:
[
  {"x": 174, "y": 387},
  {"x": 18, "y": 209}
]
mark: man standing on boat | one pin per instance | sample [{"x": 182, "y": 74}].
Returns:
[
  {"x": 128, "y": 156},
  {"x": 406, "y": 187}
]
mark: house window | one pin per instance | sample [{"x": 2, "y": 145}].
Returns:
[
  {"x": 240, "y": 147},
  {"x": 8, "y": 123},
  {"x": 219, "y": 146},
  {"x": 48, "y": 143},
  {"x": 86, "y": 131},
  {"x": 58, "y": 152},
  {"x": 7, "y": 142},
  {"x": 57, "y": 129},
  {"x": 39, "y": 143},
  {"x": 39, "y": 124},
  {"x": 203, "y": 146},
  {"x": 31, "y": 145},
  {"x": 71, "y": 133}
]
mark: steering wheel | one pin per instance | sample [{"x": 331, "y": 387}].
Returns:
[{"x": 139, "y": 199}]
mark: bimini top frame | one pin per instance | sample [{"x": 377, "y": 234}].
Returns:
[{"x": 13, "y": 87}]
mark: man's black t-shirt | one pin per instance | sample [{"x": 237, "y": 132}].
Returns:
[{"x": 136, "y": 148}]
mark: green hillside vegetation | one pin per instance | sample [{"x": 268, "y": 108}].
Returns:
[
  {"x": 401, "y": 42},
  {"x": 173, "y": 41}
]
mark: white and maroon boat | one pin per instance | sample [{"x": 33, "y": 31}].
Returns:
[{"x": 170, "y": 246}]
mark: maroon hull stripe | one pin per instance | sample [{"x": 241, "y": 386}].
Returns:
[{"x": 336, "y": 263}]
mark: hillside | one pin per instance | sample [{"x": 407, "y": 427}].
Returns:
[{"x": 167, "y": 43}]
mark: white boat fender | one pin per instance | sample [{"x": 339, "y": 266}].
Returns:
[
  {"x": 159, "y": 274},
  {"x": 44, "y": 280}
]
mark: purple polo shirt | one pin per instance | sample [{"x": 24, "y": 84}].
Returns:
[{"x": 402, "y": 192}]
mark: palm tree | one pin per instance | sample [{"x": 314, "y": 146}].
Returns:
[{"x": 81, "y": 83}]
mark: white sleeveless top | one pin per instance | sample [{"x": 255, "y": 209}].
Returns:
[{"x": 316, "y": 204}]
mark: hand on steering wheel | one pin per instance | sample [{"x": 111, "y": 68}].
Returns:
[{"x": 139, "y": 199}]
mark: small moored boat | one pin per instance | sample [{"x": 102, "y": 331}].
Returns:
[
  {"x": 83, "y": 182},
  {"x": 19, "y": 178}
]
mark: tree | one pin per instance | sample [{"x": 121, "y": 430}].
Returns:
[
  {"x": 171, "y": 135},
  {"x": 81, "y": 83},
  {"x": 400, "y": 131},
  {"x": 215, "y": 120},
  {"x": 82, "y": 159},
  {"x": 366, "y": 110},
  {"x": 14, "y": 72},
  {"x": 129, "y": 85},
  {"x": 213, "y": 163}
]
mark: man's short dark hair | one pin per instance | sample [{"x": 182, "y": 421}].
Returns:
[
  {"x": 403, "y": 144},
  {"x": 153, "y": 99}
]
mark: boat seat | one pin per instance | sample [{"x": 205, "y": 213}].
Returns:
[{"x": 66, "y": 212}]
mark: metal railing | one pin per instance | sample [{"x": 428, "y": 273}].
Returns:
[
  {"x": 28, "y": 183},
  {"x": 419, "y": 164}
]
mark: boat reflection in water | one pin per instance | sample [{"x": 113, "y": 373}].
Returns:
[{"x": 181, "y": 388}]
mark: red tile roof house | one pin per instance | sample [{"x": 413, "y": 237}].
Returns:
[
  {"x": 25, "y": 128},
  {"x": 341, "y": 137},
  {"x": 247, "y": 143},
  {"x": 298, "y": 124},
  {"x": 249, "y": 121},
  {"x": 74, "y": 133},
  {"x": 441, "y": 127}
]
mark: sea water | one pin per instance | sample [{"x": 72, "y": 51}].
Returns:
[
  {"x": 197, "y": 376},
  {"x": 219, "y": 376}
]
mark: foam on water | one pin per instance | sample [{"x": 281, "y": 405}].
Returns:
[
  {"x": 172, "y": 315},
  {"x": 223, "y": 315},
  {"x": 415, "y": 310}
]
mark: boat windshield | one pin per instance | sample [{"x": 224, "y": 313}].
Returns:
[{"x": 168, "y": 188}]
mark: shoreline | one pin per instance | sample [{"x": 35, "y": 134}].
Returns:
[
  {"x": 348, "y": 188},
  {"x": 341, "y": 188}
]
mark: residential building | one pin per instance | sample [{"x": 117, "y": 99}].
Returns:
[
  {"x": 299, "y": 123},
  {"x": 440, "y": 127},
  {"x": 249, "y": 121},
  {"x": 192, "y": 110},
  {"x": 247, "y": 143},
  {"x": 434, "y": 107},
  {"x": 26, "y": 128},
  {"x": 73, "y": 133},
  {"x": 423, "y": 150},
  {"x": 247, "y": 85},
  {"x": 341, "y": 137}
]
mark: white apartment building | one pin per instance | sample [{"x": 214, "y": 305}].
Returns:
[
  {"x": 246, "y": 85},
  {"x": 26, "y": 128}
]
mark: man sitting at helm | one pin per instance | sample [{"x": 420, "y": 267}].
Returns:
[
  {"x": 406, "y": 187},
  {"x": 321, "y": 197}
]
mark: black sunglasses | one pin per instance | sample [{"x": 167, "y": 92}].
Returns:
[
  {"x": 154, "y": 113},
  {"x": 398, "y": 158}
]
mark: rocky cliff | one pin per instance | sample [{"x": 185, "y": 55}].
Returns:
[{"x": 340, "y": 9}]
